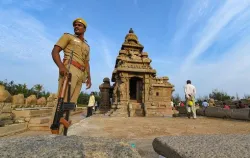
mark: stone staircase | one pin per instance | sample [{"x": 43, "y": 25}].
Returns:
[{"x": 138, "y": 111}]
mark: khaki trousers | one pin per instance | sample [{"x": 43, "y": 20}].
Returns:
[
  {"x": 191, "y": 109},
  {"x": 77, "y": 79}
]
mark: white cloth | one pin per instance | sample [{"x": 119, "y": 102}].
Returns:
[
  {"x": 91, "y": 101},
  {"x": 189, "y": 89},
  {"x": 172, "y": 104}
]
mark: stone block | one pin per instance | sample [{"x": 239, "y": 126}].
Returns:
[
  {"x": 240, "y": 114},
  {"x": 32, "y": 112},
  {"x": 203, "y": 146},
  {"x": 39, "y": 120},
  {"x": 7, "y": 108},
  {"x": 39, "y": 127},
  {"x": 200, "y": 112},
  {"x": 12, "y": 129},
  {"x": 217, "y": 112},
  {"x": 182, "y": 109},
  {"x": 6, "y": 116}
]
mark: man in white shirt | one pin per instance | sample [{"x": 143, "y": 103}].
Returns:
[{"x": 190, "y": 92}]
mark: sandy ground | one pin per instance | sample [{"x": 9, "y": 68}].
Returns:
[{"x": 141, "y": 131}]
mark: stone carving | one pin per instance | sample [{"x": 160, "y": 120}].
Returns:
[{"x": 4, "y": 95}]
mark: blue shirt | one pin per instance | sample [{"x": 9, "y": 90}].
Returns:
[{"x": 205, "y": 104}]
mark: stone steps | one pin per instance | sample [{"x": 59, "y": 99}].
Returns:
[
  {"x": 12, "y": 129},
  {"x": 39, "y": 127},
  {"x": 39, "y": 124}
]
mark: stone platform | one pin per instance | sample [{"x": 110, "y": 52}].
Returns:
[
  {"x": 12, "y": 129},
  {"x": 203, "y": 146},
  {"x": 32, "y": 112}
]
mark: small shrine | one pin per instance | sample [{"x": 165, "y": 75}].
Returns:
[{"x": 136, "y": 91}]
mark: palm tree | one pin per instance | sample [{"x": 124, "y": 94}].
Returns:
[{"x": 38, "y": 88}]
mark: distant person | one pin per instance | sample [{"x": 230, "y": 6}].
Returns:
[
  {"x": 91, "y": 104},
  {"x": 204, "y": 106},
  {"x": 241, "y": 105},
  {"x": 225, "y": 106},
  {"x": 172, "y": 105},
  {"x": 182, "y": 104},
  {"x": 190, "y": 92}
]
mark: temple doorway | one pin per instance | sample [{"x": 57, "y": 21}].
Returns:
[{"x": 135, "y": 89}]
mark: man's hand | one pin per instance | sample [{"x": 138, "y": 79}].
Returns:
[
  {"x": 62, "y": 70},
  {"x": 88, "y": 84}
]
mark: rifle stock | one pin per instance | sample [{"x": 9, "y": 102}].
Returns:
[{"x": 63, "y": 107}]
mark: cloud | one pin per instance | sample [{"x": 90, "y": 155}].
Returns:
[
  {"x": 215, "y": 24},
  {"x": 39, "y": 5},
  {"x": 25, "y": 44},
  {"x": 218, "y": 58}
]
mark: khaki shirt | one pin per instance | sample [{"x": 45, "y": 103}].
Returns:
[{"x": 80, "y": 48}]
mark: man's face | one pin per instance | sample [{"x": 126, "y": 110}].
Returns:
[{"x": 79, "y": 28}]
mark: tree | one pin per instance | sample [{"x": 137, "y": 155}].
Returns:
[
  {"x": 38, "y": 88},
  {"x": 219, "y": 95},
  {"x": 176, "y": 98}
]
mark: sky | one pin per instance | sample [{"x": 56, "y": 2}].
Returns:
[{"x": 206, "y": 41}]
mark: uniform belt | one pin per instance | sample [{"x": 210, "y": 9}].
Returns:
[{"x": 76, "y": 64}]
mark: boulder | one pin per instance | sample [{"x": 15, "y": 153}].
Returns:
[
  {"x": 18, "y": 100},
  {"x": 203, "y": 146},
  {"x": 31, "y": 101},
  {"x": 4, "y": 95},
  {"x": 41, "y": 101}
]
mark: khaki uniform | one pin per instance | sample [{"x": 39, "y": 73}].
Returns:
[{"x": 81, "y": 53}]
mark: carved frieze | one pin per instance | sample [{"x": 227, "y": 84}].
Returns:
[{"x": 134, "y": 66}]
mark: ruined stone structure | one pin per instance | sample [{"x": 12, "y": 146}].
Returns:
[{"x": 136, "y": 90}]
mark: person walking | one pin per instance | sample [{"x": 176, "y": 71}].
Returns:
[{"x": 190, "y": 92}]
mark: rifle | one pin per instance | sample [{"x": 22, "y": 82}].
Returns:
[{"x": 63, "y": 107}]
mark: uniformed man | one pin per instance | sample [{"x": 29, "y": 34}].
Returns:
[{"x": 80, "y": 68}]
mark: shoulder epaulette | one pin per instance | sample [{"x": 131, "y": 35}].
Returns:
[{"x": 69, "y": 34}]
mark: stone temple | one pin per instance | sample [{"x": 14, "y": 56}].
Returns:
[{"x": 136, "y": 91}]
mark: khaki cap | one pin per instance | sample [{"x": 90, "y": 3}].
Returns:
[{"x": 81, "y": 21}]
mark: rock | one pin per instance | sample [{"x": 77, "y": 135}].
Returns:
[
  {"x": 31, "y": 100},
  {"x": 99, "y": 147},
  {"x": 240, "y": 114},
  {"x": 27, "y": 119},
  {"x": 203, "y": 146},
  {"x": 41, "y": 146},
  {"x": 1, "y": 123},
  {"x": 41, "y": 101},
  {"x": 4, "y": 95},
  {"x": 51, "y": 97},
  {"x": 217, "y": 112},
  {"x": 18, "y": 100},
  {"x": 7, "y": 108},
  {"x": 6, "y": 116},
  {"x": 65, "y": 146}
]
